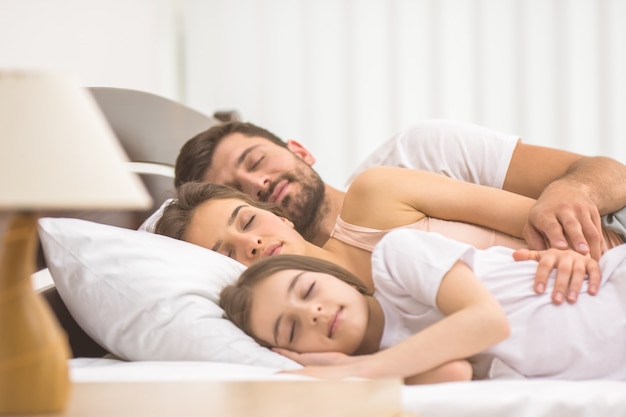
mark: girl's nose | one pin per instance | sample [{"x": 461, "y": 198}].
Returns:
[{"x": 316, "y": 311}]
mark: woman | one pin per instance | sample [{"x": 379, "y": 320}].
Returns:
[
  {"x": 380, "y": 199},
  {"x": 437, "y": 301}
]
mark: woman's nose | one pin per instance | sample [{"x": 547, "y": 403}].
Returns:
[{"x": 255, "y": 247}]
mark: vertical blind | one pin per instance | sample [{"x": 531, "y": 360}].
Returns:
[{"x": 341, "y": 76}]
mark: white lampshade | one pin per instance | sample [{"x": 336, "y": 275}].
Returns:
[{"x": 56, "y": 149}]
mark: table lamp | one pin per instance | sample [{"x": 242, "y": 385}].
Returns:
[{"x": 56, "y": 152}]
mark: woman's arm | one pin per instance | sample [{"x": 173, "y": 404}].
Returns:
[
  {"x": 396, "y": 197},
  {"x": 474, "y": 321}
]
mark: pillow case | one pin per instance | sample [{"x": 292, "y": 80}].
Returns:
[
  {"x": 149, "y": 224},
  {"x": 148, "y": 297}
]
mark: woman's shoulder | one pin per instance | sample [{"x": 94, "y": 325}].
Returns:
[
  {"x": 380, "y": 173},
  {"x": 378, "y": 199}
]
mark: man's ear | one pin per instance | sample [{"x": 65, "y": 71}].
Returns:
[{"x": 300, "y": 151}]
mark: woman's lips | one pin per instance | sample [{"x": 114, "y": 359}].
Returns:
[
  {"x": 279, "y": 191},
  {"x": 273, "y": 249},
  {"x": 334, "y": 322}
]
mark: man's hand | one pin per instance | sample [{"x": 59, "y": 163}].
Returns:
[
  {"x": 571, "y": 270},
  {"x": 571, "y": 190},
  {"x": 564, "y": 217}
]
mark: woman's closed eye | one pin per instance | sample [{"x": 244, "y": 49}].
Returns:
[
  {"x": 249, "y": 222},
  {"x": 309, "y": 290}
]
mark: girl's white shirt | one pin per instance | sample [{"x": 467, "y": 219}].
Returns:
[{"x": 585, "y": 340}]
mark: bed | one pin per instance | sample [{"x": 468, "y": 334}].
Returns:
[{"x": 141, "y": 308}]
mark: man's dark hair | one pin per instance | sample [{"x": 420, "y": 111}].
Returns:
[{"x": 196, "y": 155}]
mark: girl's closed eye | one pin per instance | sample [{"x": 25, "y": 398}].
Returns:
[{"x": 292, "y": 333}]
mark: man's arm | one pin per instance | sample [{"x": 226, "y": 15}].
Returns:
[{"x": 572, "y": 192}]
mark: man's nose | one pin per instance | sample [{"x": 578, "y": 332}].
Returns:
[{"x": 255, "y": 184}]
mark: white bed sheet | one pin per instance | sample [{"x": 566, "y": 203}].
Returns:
[{"x": 510, "y": 398}]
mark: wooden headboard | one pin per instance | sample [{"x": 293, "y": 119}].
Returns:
[{"x": 151, "y": 129}]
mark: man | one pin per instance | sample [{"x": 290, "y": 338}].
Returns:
[{"x": 572, "y": 191}]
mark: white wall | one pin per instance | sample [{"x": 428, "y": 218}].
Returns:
[
  {"x": 117, "y": 43},
  {"x": 343, "y": 75}
]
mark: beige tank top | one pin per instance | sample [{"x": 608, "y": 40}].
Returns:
[{"x": 477, "y": 236}]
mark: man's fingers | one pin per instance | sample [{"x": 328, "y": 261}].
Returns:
[
  {"x": 533, "y": 238},
  {"x": 592, "y": 231},
  {"x": 555, "y": 236}
]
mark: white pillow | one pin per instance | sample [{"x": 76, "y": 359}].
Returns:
[{"x": 143, "y": 296}]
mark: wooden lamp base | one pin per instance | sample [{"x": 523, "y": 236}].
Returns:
[{"x": 33, "y": 348}]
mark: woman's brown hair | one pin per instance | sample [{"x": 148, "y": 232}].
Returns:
[{"x": 177, "y": 215}]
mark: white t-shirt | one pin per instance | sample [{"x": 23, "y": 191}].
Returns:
[
  {"x": 457, "y": 149},
  {"x": 584, "y": 340},
  {"x": 460, "y": 150}
]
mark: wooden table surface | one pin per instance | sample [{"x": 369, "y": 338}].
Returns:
[{"x": 371, "y": 398}]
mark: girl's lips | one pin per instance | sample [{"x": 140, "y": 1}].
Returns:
[
  {"x": 273, "y": 249},
  {"x": 334, "y": 322},
  {"x": 279, "y": 192}
]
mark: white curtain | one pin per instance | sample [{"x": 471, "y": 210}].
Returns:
[{"x": 343, "y": 75}]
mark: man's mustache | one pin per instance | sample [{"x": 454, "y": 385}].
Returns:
[{"x": 264, "y": 196}]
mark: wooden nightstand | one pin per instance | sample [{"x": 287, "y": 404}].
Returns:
[{"x": 372, "y": 398}]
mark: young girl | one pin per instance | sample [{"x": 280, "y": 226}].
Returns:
[{"x": 437, "y": 301}]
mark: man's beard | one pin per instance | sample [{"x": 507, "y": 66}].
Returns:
[{"x": 305, "y": 209}]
